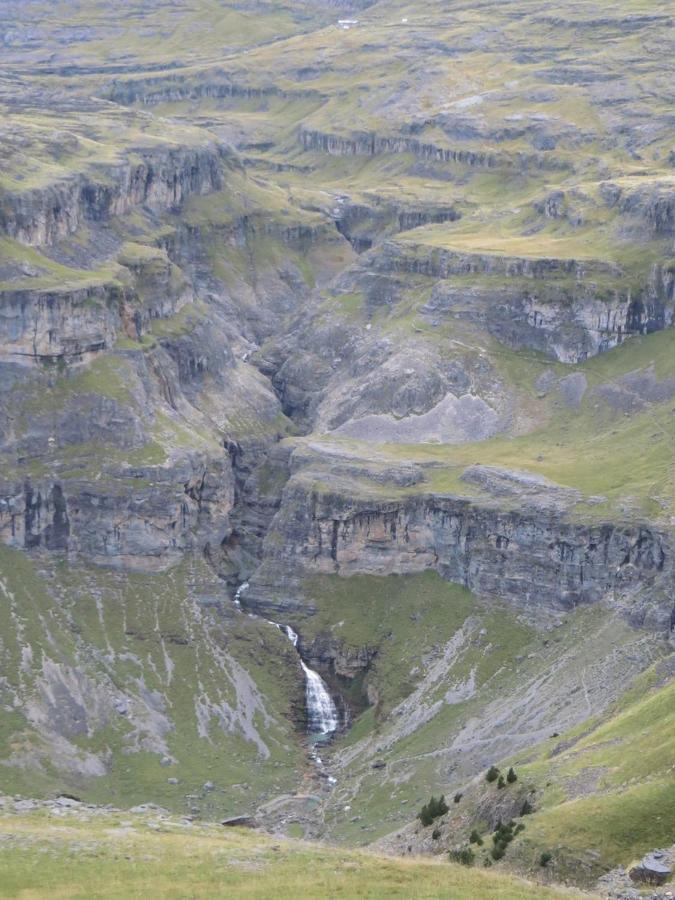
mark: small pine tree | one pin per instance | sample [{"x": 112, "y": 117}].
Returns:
[
  {"x": 492, "y": 774},
  {"x": 425, "y": 815},
  {"x": 526, "y": 808},
  {"x": 497, "y": 851},
  {"x": 457, "y": 797},
  {"x": 511, "y": 776},
  {"x": 442, "y": 807},
  {"x": 475, "y": 838},
  {"x": 501, "y": 783},
  {"x": 545, "y": 859}
]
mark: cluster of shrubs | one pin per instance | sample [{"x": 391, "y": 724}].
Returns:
[
  {"x": 503, "y": 836},
  {"x": 432, "y": 810},
  {"x": 501, "y": 840},
  {"x": 465, "y": 856},
  {"x": 493, "y": 774}
]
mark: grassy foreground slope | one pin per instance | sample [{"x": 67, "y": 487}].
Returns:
[
  {"x": 598, "y": 796},
  {"x": 115, "y": 855},
  {"x": 608, "y": 787}
]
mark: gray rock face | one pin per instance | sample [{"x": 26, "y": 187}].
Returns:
[
  {"x": 153, "y": 90},
  {"x": 364, "y": 224},
  {"x": 241, "y": 822},
  {"x": 163, "y": 179},
  {"x": 537, "y": 306},
  {"x": 150, "y": 526},
  {"x": 528, "y": 556},
  {"x": 75, "y": 325},
  {"x": 526, "y": 488},
  {"x": 654, "y": 204},
  {"x": 371, "y": 144},
  {"x": 654, "y": 868},
  {"x": 454, "y": 420},
  {"x": 36, "y": 325}
]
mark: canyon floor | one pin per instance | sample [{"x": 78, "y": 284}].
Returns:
[{"x": 354, "y": 318}]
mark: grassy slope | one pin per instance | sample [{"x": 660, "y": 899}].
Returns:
[
  {"x": 152, "y": 34},
  {"x": 402, "y": 617},
  {"x": 436, "y": 719},
  {"x": 626, "y": 755},
  {"x": 163, "y": 643},
  {"x": 603, "y": 791},
  {"x": 117, "y": 856}
]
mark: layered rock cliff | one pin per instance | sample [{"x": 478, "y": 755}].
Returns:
[
  {"x": 530, "y": 555},
  {"x": 331, "y": 367},
  {"x": 161, "y": 179},
  {"x": 372, "y": 144}
]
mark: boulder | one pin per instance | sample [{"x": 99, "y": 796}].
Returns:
[
  {"x": 654, "y": 868},
  {"x": 240, "y": 822}
]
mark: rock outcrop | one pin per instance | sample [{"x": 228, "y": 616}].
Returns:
[
  {"x": 570, "y": 309},
  {"x": 74, "y": 324},
  {"x": 162, "y": 180},
  {"x": 146, "y": 520},
  {"x": 528, "y": 554},
  {"x": 372, "y": 144}
]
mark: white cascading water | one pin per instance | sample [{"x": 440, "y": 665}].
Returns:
[
  {"x": 322, "y": 714},
  {"x": 240, "y": 590}
]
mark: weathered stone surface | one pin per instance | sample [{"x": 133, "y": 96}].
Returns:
[
  {"x": 569, "y": 323},
  {"x": 654, "y": 868},
  {"x": 454, "y": 420},
  {"x": 165, "y": 177},
  {"x": 371, "y": 144},
  {"x": 527, "y": 556}
]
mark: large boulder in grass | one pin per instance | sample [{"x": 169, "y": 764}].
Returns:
[{"x": 654, "y": 868}]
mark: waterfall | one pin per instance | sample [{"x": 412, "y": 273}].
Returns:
[
  {"x": 240, "y": 590},
  {"x": 322, "y": 714}
]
